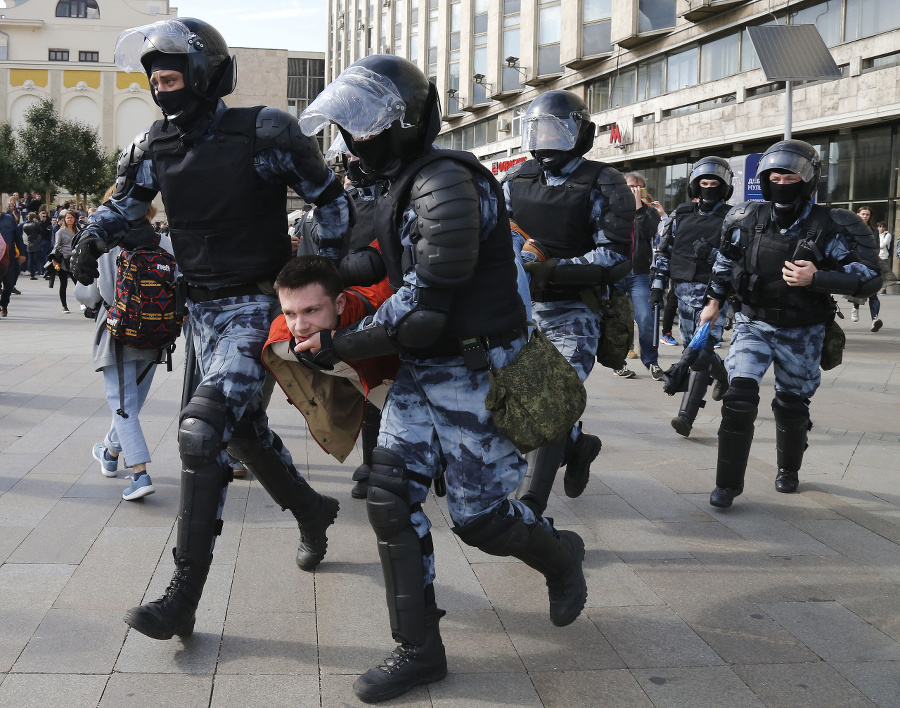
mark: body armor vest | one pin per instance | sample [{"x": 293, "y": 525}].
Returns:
[
  {"x": 691, "y": 225},
  {"x": 757, "y": 277},
  {"x": 487, "y": 304},
  {"x": 363, "y": 231},
  {"x": 557, "y": 217},
  {"x": 228, "y": 226}
]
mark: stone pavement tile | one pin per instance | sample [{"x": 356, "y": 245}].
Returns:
[
  {"x": 267, "y": 691},
  {"x": 10, "y": 538},
  {"x": 228, "y": 544},
  {"x": 704, "y": 687},
  {"x": 66, "y": 533},
  {"x": 40, "y": 691},
  {"x": 351, "y": 539},
  {"x": 154, "y": 690},
  {"x": 682, "y": 580},
  {"x": 93, "y": 485},
  {"x": 652, "y": 499},
  {"x": 273, "y": 642},
  {"x": 615, "y": 688},
  {"x": 484, "y": 691},
  {"x": 337, "y": 692},
  {"x": 612, "y": 583},
  {"x": 833, "y": 632},
  {"x": 159, "y": 509},
  {"x": 754, "y": 523},
  {"x": 801, "y": 686},
  {"x": 880, "y": 681},
  {"x": 71, "y": 457},
  {"x": 863, "y": 546},
  {"x": 17, "y": 626},
  {"x": 579, "y": 647},
  {"x": 266, "y": 575},
  {"x": 711, "y": 542},
  {"x": 196, "y": 654},
  {"x": 71, "y": 641},
  {"x": 652, "y": 637},
  {"x": 626, "y": 532},
  {"x": 352, "y": 620},
  {"x": 741, "y": 633},
  {"x": 477, "y": 642},
  {"x": 513, "y": 587},
  {"x": 694, "y": 478},
  {"x": 32, "y": 586},
  {"x": 263, "y": 512},
  {"x": 116, "y": 571},
  {"x": 15, "y": 466},
  {"x": 456, "y": 585},
  {"x": 31, "y": 498}
]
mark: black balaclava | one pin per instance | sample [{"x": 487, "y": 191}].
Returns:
[
  {"x": 180, "y": 107},
  {"x": 710, "y": 196},
  {"x": 554, "y": 160},
  {"x": 787, "y": 200}
]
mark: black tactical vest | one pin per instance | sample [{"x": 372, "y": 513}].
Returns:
[
  {"x": 757, "y": 277},
  {"x": 363, "y": 232},
  {"x": 557, "y": 217},
  {"x": 228, "y": 226},
  {"x": 691, "y": 225},
  {"x": 487, "y": 304}
]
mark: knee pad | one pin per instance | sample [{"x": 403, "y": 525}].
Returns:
[
  {"x": 742, "y": 389},
  {"x": 388, "y": 503},
  {"x": 789, "y": 403},
  {"x": 497, "y": 532},
  {"x": 202, "y": 426}
]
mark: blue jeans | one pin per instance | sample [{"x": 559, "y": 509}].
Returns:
[
  {"x": 637, "y": 287},
  {"x": 125, "y": 434}
]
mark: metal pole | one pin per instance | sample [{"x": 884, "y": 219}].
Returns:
[{"x": 788, "y": 108}]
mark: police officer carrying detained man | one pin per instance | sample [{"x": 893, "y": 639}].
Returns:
[
  {"x": 446, "y": 242},
  {"x": 579, "y": 216},
  {"x": 781, "y": 259},
  {"x": 686, "y": 254},
  {"x": 222, "y": 174}
]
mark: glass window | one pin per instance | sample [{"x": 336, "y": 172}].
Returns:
[
  {"x": 871, "y": 169},
  {"x": 681, "y": 70},
  {"x": 479, "y": 67},
  {"x": 623, "y": 88},
  {"x": 826, "y": 16},
  {"x": 595, "y": 33},
  {"x": 719, "y": 58},
  {"x": 651, "y": 79},
  {"x": 868, "y": 17},
  {"x": 78, "y": 8},
  {"x": 88, "y": 56},
  {"x": 655, "y": 15},
  {"x": 511, "y": 76},
  {"x": 58, "y": 55},
  {"x": 598, "y": 95},
  {"x": 549, "y": 35}
]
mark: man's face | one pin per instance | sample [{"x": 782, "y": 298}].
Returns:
[
  {"x": 309, "y": 309},
  {"x": 707, "y": 183},
  {"x": 865, "y": 215},
  {"x": 167, "y": 80},
  {"x": 789, "y": 178}
]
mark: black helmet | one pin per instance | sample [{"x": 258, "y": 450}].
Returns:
[
  {"x": 711, "y": 168},
  {"x": 793, "y": 156},
  {"x": 556, "y": 128},
  {"x": 385, "y": 107}
]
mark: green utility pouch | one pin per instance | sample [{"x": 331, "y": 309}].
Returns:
[
  {"x": 617, "y": 329},
  {"x": 833, "y": 346},
  {"x": 537, "y": 398}
]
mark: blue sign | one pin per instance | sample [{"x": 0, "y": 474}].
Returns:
[{"x": 752, "y": 191}]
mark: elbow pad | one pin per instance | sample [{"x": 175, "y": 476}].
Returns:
[
  {"x": 448, "y": 223},
  {"x": 363, "y": 267},
  {"x": 426, "y": 322},
  {"x": 362, "y": 344},
  {"x": 836, "y": 282}
]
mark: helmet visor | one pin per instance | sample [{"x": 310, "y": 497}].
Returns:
[
  {"x": 166, "y": 36},
  {"x": 787, "y": 160},
  {"x": 338, "y": 148},
  {"x": 360, "y": 101},
  {"x": 548, "y": 132},
  {"x": 712, "y": 169}
]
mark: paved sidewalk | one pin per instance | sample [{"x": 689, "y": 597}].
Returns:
[{"x": 784, "y": 600}]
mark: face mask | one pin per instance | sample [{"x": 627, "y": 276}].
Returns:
[
  {"x": 357, "y": 176},
  {"x": 171, "y": 102},
  {"x": 710, "y": 196},
  {"x": 374, "y": 154},
  {"x": 786, "y": 194},
  {"x": 552, "y": 160}
]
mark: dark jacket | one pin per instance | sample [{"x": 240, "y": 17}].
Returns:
[{"x": 646, "y": 221}]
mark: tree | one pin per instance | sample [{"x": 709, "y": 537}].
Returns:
[
  {"x": 86, "y": 172},
  {"x": 44, "y": 147},
  {"x": 10, "y": 169},
  {"x": 107, "y": 178}
]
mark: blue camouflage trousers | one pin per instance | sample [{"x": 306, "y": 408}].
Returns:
[
  {"x": 575, "y": 331},
  {"x": 434, "y": 418},
  {"x": 795, "y": 351},
  {"x": 690, "y": 305},
  {"x": 228, "y": 337}
]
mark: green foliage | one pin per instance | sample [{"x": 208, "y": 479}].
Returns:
[
  {"x": 86, "y": 172},
  {"x": 10, "y": 170},
  {"x": 107, "y": 178}
]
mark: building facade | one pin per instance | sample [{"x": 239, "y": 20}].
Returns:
[{"x": 667, "y": 81}]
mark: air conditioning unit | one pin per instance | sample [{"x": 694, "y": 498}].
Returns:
[{"x": 502, "y": 125}]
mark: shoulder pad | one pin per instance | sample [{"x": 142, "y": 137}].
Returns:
[
  {"x": 685, "y": 208},
  {"x": 610, "y": 175},
  {"x": 512, "y": 172},
  {"x": 850, "y": 223},
  {"x": 739, "y": 212},
  {"x": 279, "y": 128},
  {"x": 619, "y": 219},
  {"x": 445, "y": 200},
  {"x": 142, "y": 143},
  {"x": 129, "y": 159}
]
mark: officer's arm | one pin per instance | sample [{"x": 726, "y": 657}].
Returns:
[
  {"x": 731, "y": 250},
  {"x": 444, "y": 221},
  {"x": 285, "y": 155},
  {"x": 855, "y": 256},
  {"x": 661, "y": 266}
]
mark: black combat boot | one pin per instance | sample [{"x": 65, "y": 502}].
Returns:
[
  {"x": 409, "y": 665},
  {"x": 368, "y": 439},
  {"x": 578, "y": 470},
  {"x": 791, "y": 428},
  {"x": 691, "y": 402},
  {"x": 174, "y": 612},
  {"x": 313, "y": 527},
  {"x": 559, "y": 556}
]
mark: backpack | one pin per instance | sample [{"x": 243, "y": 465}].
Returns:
[
  {"x": 143, "y": 315},
  {"x": 617, "y": 336}
]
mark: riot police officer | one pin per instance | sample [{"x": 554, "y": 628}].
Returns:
[
  {"x": 686, "y": 254},
  {"x": 579, "y": 216},
  {"x": 782, "y": 259},
  {"x": 445, "y": 237},
  {"x": 222, "y": 174}
]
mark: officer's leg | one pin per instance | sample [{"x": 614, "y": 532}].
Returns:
[
  {"x": 739, "y": 408},
  {"x": 536, "y": 485},
  {"x": 263, "y": 453},
  {"x": 791, "y": 426},
  {"x": 691, "y": 402},
  {"x": 368, "y": 439},
  {"x": 201, "y": 432}
]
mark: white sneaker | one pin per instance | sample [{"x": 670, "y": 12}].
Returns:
[{"x": 854, "y": 315}]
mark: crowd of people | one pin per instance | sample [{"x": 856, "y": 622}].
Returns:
[{"x": 403, "y": 290}]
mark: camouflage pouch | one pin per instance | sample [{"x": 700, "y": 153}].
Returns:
[
  {"x": 833, "y": 346},
  {"x": 538, "y": 398},
  {"x": 617, "y": 329}
]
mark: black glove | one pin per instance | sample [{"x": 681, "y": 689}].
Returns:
[
  {"x": 656, "y": 296},
  {"x": 84, "y": 259},
  {"x": 702, "y": 249},
  {"x": 323, "y": 360},
  {"x": 541, "y": 272}
]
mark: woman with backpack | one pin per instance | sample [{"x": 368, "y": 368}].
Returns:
[{"x": 127, "y": 372}]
